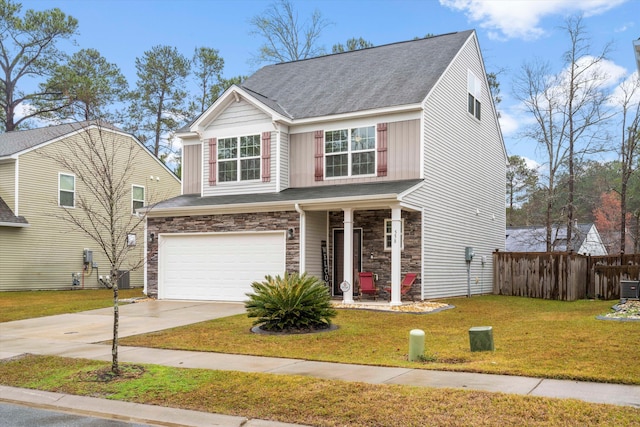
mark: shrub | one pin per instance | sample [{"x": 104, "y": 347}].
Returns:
[{"x": 292, "y": 302}]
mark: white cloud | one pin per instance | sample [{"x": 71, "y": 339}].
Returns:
[
  {"x": 628, "y": 89},
  {"x": 532, "y": 164},
  {"x": 521, "y": 18},
  {"x": 508, "y": 123}
]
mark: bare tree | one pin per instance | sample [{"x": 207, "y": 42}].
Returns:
[
  {"x": 629, "y": 92},
  {"x": 569, "y": 114},
  {"x": 585, "y": 101},
  {"x": 285, "y": 37},
  {"x": 103, "y": 161}
]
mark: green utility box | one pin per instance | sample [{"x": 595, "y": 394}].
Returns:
[
  {"x": 481, "y": 338},
  {"x": 416, "y": 344}
]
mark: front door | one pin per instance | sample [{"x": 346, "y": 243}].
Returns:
[{"x": 338, "y": 257}]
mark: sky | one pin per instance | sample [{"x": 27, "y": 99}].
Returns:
[{"x": 510, "y": 32}]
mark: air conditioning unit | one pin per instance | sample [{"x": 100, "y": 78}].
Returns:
[{"x": 630, "y": 289}]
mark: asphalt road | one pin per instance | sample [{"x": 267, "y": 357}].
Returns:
[{"x": 24, "y": 416}]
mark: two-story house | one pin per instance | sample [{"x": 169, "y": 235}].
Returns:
[
  {"x": 40, "y": 186},
  {"x": 388, "y": 160}
]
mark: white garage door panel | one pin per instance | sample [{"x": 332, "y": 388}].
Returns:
[{"x": 217, "y": 266}]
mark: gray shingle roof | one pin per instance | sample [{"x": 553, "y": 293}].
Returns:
[
  {"x": 533, "y": 238},
  {"x": 17, "y": 141},
  {"x": 292, "y": 194},
  {"x": 383, "y": 76},
  {"x": 8, "y": 217}
]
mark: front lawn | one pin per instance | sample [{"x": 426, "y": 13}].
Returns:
[
  {"x": 538, "y": 338},
  {"x": 28, "y": 304},
  {"x": 304, "y": 400}
]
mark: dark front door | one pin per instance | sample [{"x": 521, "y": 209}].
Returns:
[{"x": 338, "y": 257}]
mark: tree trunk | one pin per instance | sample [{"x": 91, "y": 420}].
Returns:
[
  {"x": 623, "y": 210},
  {"x": 115, "y": 367}
]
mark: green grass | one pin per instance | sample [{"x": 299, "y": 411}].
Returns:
[
  {"x": 29, "y": 304},
  {"x": 538, "y": 338},
  {"x": 304, "y": 400}
]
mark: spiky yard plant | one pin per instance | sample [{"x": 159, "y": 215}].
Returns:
[{"x": 290, "y": 303}]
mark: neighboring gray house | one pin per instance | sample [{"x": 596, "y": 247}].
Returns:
[
  {"x": 586, "y": 239},
  {"x": 388, "y": 159}
]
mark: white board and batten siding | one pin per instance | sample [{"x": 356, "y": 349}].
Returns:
[
  {"x": 191, "y": 167},
  {"x": 239, "y": 119},
  {"x": 403, "y": 142},
  {"x": 464, "y": 170},
  {"x": 217, "y": 266},
  {"x": 316, "y": 226},
  {"x": 283, "y": 161}
]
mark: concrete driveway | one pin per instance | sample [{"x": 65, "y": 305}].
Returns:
[{"x": 39, "y": 335}]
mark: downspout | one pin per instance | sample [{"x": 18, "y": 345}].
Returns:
[
  {"x": 16, "y": 188},
  {"x": 301, "y": 238},
  {"x": 145, "y": 258}
]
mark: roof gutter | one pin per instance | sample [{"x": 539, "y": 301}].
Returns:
[
  {"x": 363, "y": 202},
  {"x": 14, "y": 224}
]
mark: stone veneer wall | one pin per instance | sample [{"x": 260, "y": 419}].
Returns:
[
  {"x": 261, "y": 221},
  {"x": 372, "y": 225}
]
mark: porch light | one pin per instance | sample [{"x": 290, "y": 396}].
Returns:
[{"x": 290, "y": 232}]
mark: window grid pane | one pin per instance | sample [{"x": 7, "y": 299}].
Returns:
[
  {"x": 227, "y": 148},
  {"x": 363, "y": 139},
  {"x": 337, "y": 165},
  {"x": 250, "y": 146},
  {"x": 249, "y": 169},
  {"x": 228, "y": 171},
  {"x": 363, "y": 163},
  {"x": 336, "y": 141}
]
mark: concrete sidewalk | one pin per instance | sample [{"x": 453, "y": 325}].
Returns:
[{"x": 75, "y": 335}]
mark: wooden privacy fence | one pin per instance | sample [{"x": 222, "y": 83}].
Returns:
[{"x": 563, "y": 276}]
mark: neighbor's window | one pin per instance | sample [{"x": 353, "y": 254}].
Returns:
[
  {"x": 388, "y": 235},
  {"x": 350, "y": 152},
  {"x": 137, "y": 197},
  {"x": 474, "y": 89},
  {"x": 239, "y": 158},
  {"x": 66, "y": 190}
]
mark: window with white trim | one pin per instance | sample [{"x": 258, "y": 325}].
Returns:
[
  {"x": 137, "y": 197},
  {"x": 66, "y": 190},
  {"x": 388, "y": 234},
  {"x": 474, "y": 89},
  {"x": 239, "y": 158},
  {"x": 350, "y": 152}
]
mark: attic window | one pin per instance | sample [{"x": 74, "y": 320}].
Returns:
[
  {"x": 66, "y": 190},
  {"x": 239, "y": 158},
  {"x": 137, "y": 197},
  {"x": 350, "y": 152},
  {"x": 474, "y": 89}
]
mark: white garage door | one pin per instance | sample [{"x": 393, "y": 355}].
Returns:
[{"x": 218, "y": 267}]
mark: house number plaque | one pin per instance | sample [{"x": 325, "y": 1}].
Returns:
[{"x": 345, "y": 286}]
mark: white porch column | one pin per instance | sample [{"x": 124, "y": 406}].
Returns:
[
  {"x": 396, "y": 255},
  {"x": 347, "y": 274}
]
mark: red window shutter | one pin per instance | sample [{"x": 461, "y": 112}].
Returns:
[
  {"x": 319, "y": 139},
  {"x": 382, "y": 149},
  {"x": 213, "y": 157},
  {"x": 266, "y": 156}
]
